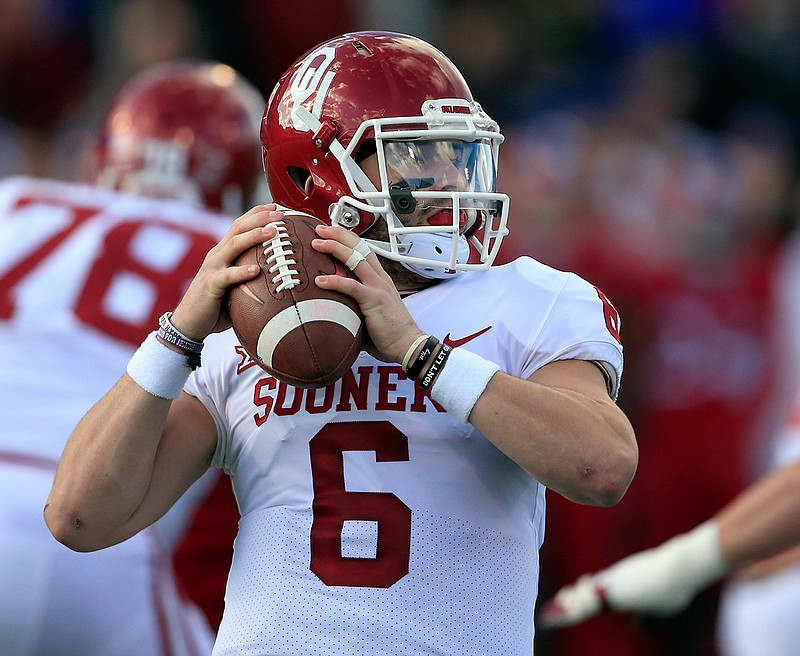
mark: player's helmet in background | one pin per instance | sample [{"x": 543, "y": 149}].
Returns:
[
  {"x": 397, "y": 96},
  {"x": 183, "y": 129}
]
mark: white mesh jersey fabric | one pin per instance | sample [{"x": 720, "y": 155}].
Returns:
[{"x": 372, "y": 521}]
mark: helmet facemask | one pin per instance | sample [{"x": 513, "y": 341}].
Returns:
[{"x": 434, "y": 186}]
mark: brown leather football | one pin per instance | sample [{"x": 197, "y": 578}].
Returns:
[{"x": 300, "y": 333}]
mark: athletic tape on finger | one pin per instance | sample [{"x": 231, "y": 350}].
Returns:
[
  {"x": 362, "y": 247},
  {"x": 354, "y": 260}
]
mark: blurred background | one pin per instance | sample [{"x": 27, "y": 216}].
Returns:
[{"x": 651, "y": 147}]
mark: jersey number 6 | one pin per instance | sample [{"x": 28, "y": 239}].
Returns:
[{"x": 333, "y": 505}]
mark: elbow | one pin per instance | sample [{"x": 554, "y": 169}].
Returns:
[
  {"x": 604, "y": 485},
  {"x": 608, "y": 492},
  {"x": 68, "y": 529},
  {"x": 609, "y": 479}
]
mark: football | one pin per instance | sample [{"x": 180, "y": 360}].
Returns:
[{"x": 301, "y": 334}]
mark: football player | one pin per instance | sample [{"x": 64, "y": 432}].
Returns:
[
  {"x": 752, "y": 544},
  {"x": 399, "y": 510},
  {"x": 85, "y": 270},
  {"x": 762, "y": 521}
]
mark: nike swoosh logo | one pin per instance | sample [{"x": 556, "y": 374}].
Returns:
[{"x": 460, "y": 342}]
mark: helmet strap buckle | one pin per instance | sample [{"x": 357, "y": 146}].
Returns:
[{"x": 325, "y": 135}]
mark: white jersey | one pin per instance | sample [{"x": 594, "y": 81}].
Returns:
[
  {"x": 758, "y": 616},
  {"x": 373, "y": 522},
  {"x": 84, "y": 275}
]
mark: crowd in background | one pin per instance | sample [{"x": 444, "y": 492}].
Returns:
[{"x": 651, "y": 147}]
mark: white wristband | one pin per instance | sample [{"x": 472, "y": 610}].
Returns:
[
  {"x": 663, "y": 580},
  {"x": 158, "y": 369},
  {"x": 462, "y": 381},
  {"x": 701, "y": 555}
]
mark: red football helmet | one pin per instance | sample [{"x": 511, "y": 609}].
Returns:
[
  {"x": 397, "y": 97},
  {"x": 183, "y": 129}
]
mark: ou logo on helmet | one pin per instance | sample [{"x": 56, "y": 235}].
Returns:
[{"x": 312, "y": 77}]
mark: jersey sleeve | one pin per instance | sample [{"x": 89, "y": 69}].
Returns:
[
  {"x": 584, "y": 325},
  {"x": 573, "y": 320}
]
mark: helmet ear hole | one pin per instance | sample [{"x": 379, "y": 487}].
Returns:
[
  {"x": 366, "y": 149},
  {"x": 301, "y": 178}
]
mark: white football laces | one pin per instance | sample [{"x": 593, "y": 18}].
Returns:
[{"x": 280, "y": 255}]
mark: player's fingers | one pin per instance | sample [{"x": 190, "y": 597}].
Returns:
[
  {"x": 250, "y": 230},
  {"x": 254, "y": 217},
  {"x": 356, "y": 258},
  {"x": 338, "y": 233},
  {"x": 572, "y": 604},
  {"x": 259, "y": 216},
  {"x": 363, "y": 248},
  {"x": 347, "y": 254},
  {"x": 345, "y": 285},
  {"x": 343, "y": 244},
  {"x": 360, "y": 253}
]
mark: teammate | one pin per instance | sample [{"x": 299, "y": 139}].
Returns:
[
  {"x": 753, "y": 542},
  {"x": 380, "y": 515},
  {"x": 760, "y": 522},
  {"x": 84, "y": 271}
]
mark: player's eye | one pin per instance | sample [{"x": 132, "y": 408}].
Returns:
[{"x": 456, "y": 152}]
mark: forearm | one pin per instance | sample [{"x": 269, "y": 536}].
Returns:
[
  {"x": 578, "y": 446},
  {"x": 106, "y": 468},
  {"x": 133, "y": 455},
  {"x": 764, "y": 519}
]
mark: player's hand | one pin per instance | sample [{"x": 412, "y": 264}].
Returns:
[
  {"x": 391, "y": 327},
  {"x": 200, "y": 311},
  {"x": 656, "y": 582},
  {"x": 572, "y": 604},
  {"x": 636, "y": 584}
]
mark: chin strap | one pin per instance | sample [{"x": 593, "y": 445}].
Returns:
[{"x": 431, "y": 246}]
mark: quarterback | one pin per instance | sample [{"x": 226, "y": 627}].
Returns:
[{"x": 399, "y": 510}]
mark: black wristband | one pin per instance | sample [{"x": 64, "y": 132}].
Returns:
[
  {"x": 427, "y": 380},
  {"x": 422, "y": 358}
]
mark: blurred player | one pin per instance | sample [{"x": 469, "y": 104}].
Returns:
[
  {"x": 760, "y": 598},
  {"x": 759, "y": 606},
  {"x": 85, "y": 270},
  {"x": 760, "y": 522}
]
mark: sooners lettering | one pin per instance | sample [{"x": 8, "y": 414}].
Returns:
[{"x": 368, "y": 387}]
